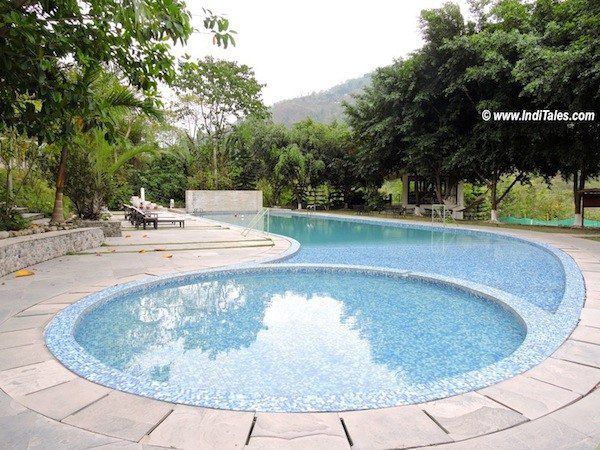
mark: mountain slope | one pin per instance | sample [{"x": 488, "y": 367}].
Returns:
[{"x": 324, "y": 106}]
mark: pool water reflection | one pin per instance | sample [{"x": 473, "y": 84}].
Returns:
[{"x": 299, "y": 340}]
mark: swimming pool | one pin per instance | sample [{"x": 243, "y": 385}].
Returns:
[
  {"x": 515, "y": 266},
  {"x": 367, "y": 314}
]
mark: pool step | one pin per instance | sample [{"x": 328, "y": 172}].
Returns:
[{"x": 141, "y": 248}]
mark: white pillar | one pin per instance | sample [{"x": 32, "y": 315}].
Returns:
[
  {"x": 171, "y": 203},
  {"x": 142, "y": 194},
  {"x": 460, "y": 200},
  {"x": 460, "y": 194}
]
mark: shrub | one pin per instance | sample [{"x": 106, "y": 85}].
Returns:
[
  {"x": 164, "y": 178},
  {"x": 12, "y": 220}
]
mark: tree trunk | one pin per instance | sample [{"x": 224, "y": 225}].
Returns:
[
  {"x": 579, "y": 177},
  {"x": 9, "y": 182},
  {"x": 438, "y": 189},
  {"x": 9, "y": 189},
  {"x": 577, "y": 200},
  {"x": 494, "y": 199},
  {"x": 58, "y": 215},
  {"x": 215, "y": 168}
]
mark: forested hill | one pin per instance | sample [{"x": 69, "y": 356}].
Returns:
[{"x": 324, "y": 106}]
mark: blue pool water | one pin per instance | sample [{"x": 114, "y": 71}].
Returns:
[
  {"x": 514, "y": 266},
  {"x": 298, "y": 340},
  {"x": 430, "y": 312}
]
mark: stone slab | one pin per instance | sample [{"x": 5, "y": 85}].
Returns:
[
  {"x": 590, "y": 316},
  {"x": 23, "y": 356},
  {"x": 64, "y": 399},
  {"x": 541, "y": 434},
  {"x": 404, "y": 426},
  {"x": 41, "y": 309},
  {"x": 68, "y": 298},
  {"x": 290, "y": 431},
  {"x": 320, "y": 442},
  {"x": 121, "y": 415},
  {"x": 199, "y": 428},
  {"x": 569, "y": 375},
  {"x": 27, "y": 379},
  {"x": 579, "y": 352},
  {"x": 23, "y": 323},
  {"x": 468, "y": 415},
  {"x": 20, "y": 337},
  {"x": 583, "y": 415},
  {"x": 530, "y": 397},
  {"x": 586, "y": 334},
  {"x": 31, "y": 431}
]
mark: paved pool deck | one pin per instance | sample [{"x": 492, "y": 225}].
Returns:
[{"x": 43, "y": 405}]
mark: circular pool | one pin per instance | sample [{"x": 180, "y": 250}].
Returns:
[{"x": 294, "y": 338}]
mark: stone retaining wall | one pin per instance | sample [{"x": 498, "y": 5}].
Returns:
[
  {"x": 19, "y": 252},
  {"x": 110, "y": 228},
  {"x": 223, "y": 201}
]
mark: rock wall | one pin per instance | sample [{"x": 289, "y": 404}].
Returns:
[
  {"x": 19, "y": 252},
  {"x": 111, "y": 228}
]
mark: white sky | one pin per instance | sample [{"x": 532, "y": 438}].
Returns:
[{"x": 298, "y": 47}]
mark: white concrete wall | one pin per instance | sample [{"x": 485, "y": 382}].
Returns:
[{"x": 223, "y": 201}]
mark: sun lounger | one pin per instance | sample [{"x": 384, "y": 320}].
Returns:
[{"x": 138, "y": 217}]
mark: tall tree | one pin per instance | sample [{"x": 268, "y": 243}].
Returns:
[
  {"x": 212, "y": 95},
  {"x": 493, "y": 150},
  {"x": 409, "y": 120},
  {"x": 561, "y": 71},
  {"x": 42, "y": 43}
]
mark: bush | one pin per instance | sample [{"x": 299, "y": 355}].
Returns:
[
  {"x": 120, "y": 195},
  {"x": 286, "y": 198},
  {"x": 36, "y": 194},
  {"x": 265, "y": 186},
  {"x": 12, "y": 221},
  {"x": 542, "y": 202},
  {"x": 164, "y": 178}
]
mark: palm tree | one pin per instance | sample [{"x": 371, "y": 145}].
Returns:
[{"x": 99, "y": 100}]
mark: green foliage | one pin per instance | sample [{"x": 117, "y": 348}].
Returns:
[
  {"x": 38, "y": 196},
  {"x": 393, "y": 188},
  {"x": 423, "y": 115},
  {"x": 38, "y": 39},
  {"x": 266, "y": 187},
  {"x": 290, "y": 172},
  {"x": 543, "y": 201},
  {"x": 163, "y": 178},
  {"x": 253, "y": 148},
  {"x": 12, "y": 220},
  {"x": 211, "y": 95},
  {"x": 307, "y": 155}
]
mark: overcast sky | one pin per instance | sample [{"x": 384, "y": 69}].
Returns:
[{"x": 298, "y": 47}]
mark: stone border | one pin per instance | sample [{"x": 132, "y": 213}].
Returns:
[
  {"x": 553, "y": 405},
  {"x": 19, "y": 252},
  {"x": 110, "y": 228}
]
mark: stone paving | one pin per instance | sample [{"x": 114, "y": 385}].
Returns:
[{"x": 43, "y": 405}]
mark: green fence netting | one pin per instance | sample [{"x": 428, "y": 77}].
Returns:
[{"x": 548, "y": 223}]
